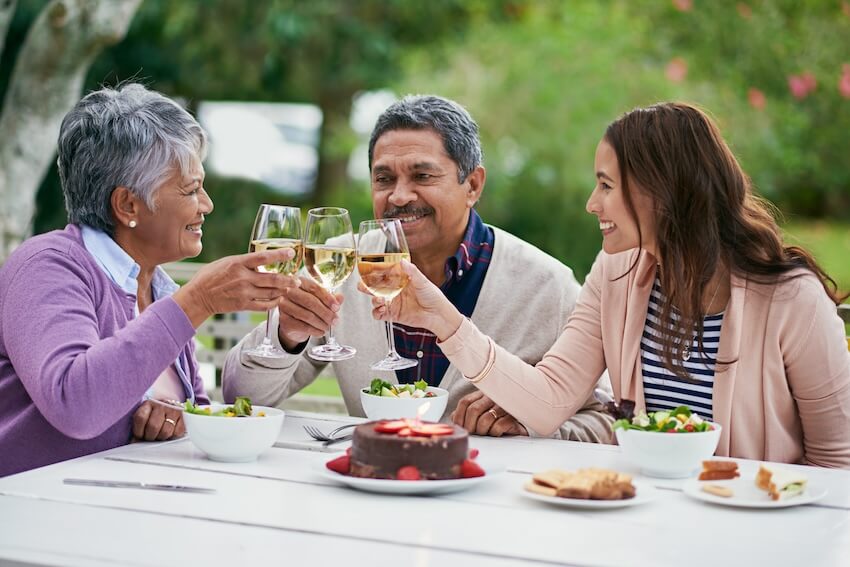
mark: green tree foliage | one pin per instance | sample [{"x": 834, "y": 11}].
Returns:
[
  {"x": 544, "y": 88},
  {"x": 542, "y": 92},
  {"x": 321, "y": 52},
  {"x": 778, "y": 74}
]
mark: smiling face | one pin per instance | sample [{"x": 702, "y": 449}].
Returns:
[
  {"x": 415, "y": 180},
  {"x": 607, "y": 202},
  {"x": 172, "y": 231}
]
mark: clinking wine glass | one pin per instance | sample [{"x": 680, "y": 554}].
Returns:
[
  {"x": 329, "y": 257},
  {"x": 381, "y": 247},
  {"x": 276, "y": 227}
]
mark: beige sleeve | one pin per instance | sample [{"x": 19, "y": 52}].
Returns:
[
  {"x": 817, "y": 365},
  {"x": 267, "y": 381}
]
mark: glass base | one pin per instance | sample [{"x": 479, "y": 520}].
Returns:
[
  {"x": 394, "y": 362},
  {"x": 331, "y": 353},
  {"x": 265, "y": 351}
]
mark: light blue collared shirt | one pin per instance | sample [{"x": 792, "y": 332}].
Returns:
[{"x": 124, "y": 271}]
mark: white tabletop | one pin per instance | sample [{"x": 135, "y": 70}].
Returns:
[{"x": 282, "y": 509}]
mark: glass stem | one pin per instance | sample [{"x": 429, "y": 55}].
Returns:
[
  {"x": 390, "y": 332},
  {"x": 331, "y": 339},
  {"x": 267, "y": 340}
]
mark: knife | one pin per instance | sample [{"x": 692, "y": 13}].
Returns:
[{"x": 143, "y": 485}]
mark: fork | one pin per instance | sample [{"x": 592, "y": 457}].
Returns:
[{"x": 317, "y": 434}]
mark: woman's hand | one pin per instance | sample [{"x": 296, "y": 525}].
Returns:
[
  {"x": 155, "y": 421},
  {"x": 232, "y": 284},
  {"x": 421, "y": 304}
]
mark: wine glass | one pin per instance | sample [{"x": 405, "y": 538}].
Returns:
[
  {"x": 381, "y": 247},
  {"x": 276, "y": 227},
  {"x": 329, "y": 258}
]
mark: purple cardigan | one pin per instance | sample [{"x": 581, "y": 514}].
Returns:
[{"x": 74, "y": 364}]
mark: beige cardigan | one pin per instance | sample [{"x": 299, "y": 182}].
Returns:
[
  {"x": 520, "y": 280},
  {"x": 784, "y": 396}
]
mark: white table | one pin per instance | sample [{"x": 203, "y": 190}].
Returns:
[{"x": 279, "y": 510}]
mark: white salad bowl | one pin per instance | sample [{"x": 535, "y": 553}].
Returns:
[
  {"x": 234, "y": 439},
  {"x": 668, "y": 455},
  {"x": 388, "y": 407}
]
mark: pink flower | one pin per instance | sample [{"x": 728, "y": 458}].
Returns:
[
  {"x": 809, "y": 79},
  {"x": 683, "y": 5},
  {"x": 677, "y": 70},
  {"x": 797, "y": 86},
  {"x": 756, "y": 98},
  {"x": 744, "y": 10},
  {"x": 801, "y": 85}
]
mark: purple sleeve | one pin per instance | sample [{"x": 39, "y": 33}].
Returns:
[{"x": 82, "y": 383}]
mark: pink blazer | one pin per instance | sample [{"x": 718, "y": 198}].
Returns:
[{"x": 784, "y": 396}]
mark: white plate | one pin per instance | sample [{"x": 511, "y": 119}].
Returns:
[
  {"x": 384, "y": 486},
  {"x": 747, "y": 495},
  {"x": 643, "y": 493}
]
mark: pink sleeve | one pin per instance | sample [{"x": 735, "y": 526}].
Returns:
[
  {"x": 543, "y": 396},
  {"x": 817, "y": 365}
]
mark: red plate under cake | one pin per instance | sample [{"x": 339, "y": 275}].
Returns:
[{"x": 380, "y": 448}]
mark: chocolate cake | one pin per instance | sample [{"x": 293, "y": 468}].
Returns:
[{"x": 380, "y": 448}]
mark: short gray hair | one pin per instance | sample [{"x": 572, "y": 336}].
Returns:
[
  {"x": 447, "y": 118},
  {"x": 127, "y": 136}
]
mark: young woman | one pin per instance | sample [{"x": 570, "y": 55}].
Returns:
[{"x": 695, "y": 301}]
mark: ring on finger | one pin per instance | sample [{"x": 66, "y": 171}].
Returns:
[
  {"x": 492, "y": 411},
  {"x": 171, "y": 421}
]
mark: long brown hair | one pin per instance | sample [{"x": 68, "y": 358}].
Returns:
[{"x": 706, "y": 215}]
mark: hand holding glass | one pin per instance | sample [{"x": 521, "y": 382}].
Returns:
[
  {"x": 329, "y": 258},
  {"x": 381, "y": 247},
  {"x": 276, "y": 227}
]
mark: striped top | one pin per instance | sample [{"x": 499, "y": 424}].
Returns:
[{"x": 663, "y": 390}]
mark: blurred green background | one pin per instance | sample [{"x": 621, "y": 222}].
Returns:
[{"x": 542, "y": 78}]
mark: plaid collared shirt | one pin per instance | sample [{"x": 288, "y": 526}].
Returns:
[{"x": 465, "y": 273}]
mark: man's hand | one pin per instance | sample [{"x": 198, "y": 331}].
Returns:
[
  {"x": 306, "y": 311},
  {"x": 479, "y": 415},
  {"x": 157, "y": 422}
]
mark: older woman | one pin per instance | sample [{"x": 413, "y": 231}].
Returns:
[
  {"x": 695, "y": 301},
  {"x": 90, "y": 325}
]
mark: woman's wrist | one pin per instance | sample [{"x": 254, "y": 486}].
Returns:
[
  {"x": 447, "y": 322},
  {"x": 194, "y": 310}
]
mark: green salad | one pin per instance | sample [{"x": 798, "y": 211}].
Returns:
[
  {"x": 416, "y": 390},
  {"x": 678, "y": 420},
  {"x": 241, "y": 408}
]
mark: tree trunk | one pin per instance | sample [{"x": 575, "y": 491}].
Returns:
[
  {"x": 7, "y": 10},
  {"x": 333, "y": 157},
  {"x": 46, "y": 82}
]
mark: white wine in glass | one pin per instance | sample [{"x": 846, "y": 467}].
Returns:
[
  {"x": 288, "y": 267},
  {"x": 329, "y": 257},
  {"x": 276, "y": 227},
  {"x": 381, "y": 246}
]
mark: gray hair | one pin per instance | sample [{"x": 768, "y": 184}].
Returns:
[
  {"x": 447, "y": 118},
  {"x": 127, "y": 136}
]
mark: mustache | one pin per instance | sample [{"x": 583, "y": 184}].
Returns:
[{"x": 407, "y": 211}]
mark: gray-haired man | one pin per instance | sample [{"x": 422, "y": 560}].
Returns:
[{"x": 426, "y": 170}]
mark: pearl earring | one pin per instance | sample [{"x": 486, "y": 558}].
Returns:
[{"x": 132, "y": 224}]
